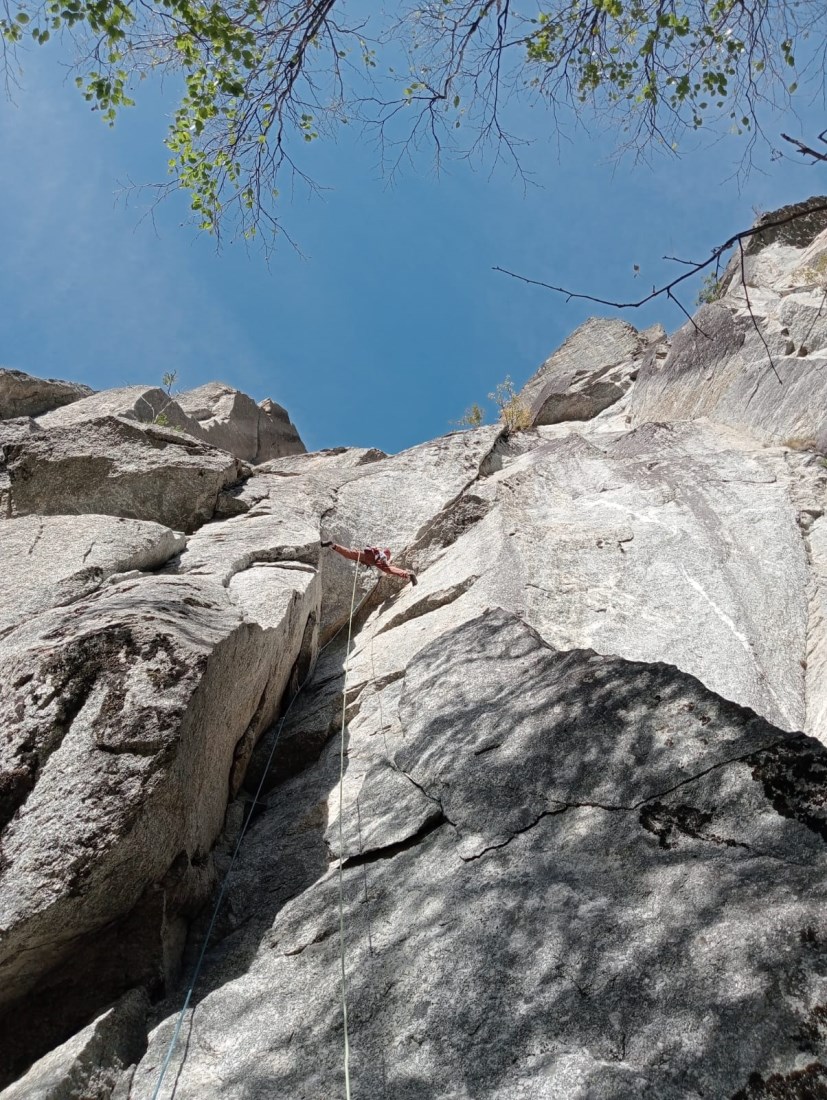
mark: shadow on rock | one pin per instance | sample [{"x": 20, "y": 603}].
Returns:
[{"x": 623, "y": 895}]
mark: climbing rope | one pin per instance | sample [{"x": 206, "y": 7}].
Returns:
[
  {"x": 197, "y": 971},
  {"x": 341, "y": 842}
]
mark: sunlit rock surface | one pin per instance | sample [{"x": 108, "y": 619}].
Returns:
[{"x": 582, "y": 818}]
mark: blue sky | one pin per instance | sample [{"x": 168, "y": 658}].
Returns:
[{"x": 392, "y": 322}]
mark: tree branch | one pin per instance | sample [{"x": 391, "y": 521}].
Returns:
[
  {"x": 805, "y": 150},
  {"x": 753, "y": 318},
  {"x": 667, "y": 289}
]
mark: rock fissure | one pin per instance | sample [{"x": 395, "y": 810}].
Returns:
[
  {"x": 433, "y": 822},
  {"x": 37, "y": 538},
  {"x": 381, "y": 682},
  {"x": 432, "y": 602},
  {"x": 740, "y": 759},
  {"x": 618, "y": 629},
  {"x": 317, "y": 939},
  {"x": 432, "y": 798},
  {"x": 560, "y": 809}
]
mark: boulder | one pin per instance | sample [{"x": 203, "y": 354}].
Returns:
[
  {"x": 89, "y": 1064},
  {"x": 276, "y": 434},
  {"x": 129, "y": 718},
  {"x": 232, "y": 421},
  {"x": 23, "y": 395},
  {"x": 146, "y": 405},
  {"x": 216, "y": 414},
  {"x": 591, "y": 371},
  {"x": 114, "y": 467},
  {"x": 51, "y": 561}
]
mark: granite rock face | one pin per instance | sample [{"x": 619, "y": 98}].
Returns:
[
  {"x": 128, "y": 692},
  {"x": 592, "y": 370},
  {"x": 581, "y": 820},
  {"x": 231, "y": 420},
  {"x": 550, "y": 859},
  {"x": 757, "y": 357},
  {"x": 23, "y": 395},
  {"x": 216, "y": 414},
  {"x": 51, "y": 561},
  {"x": 111, "y": 466},
  {"x": 128, "y": 716}
]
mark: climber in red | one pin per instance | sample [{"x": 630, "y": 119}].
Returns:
[{"x": 373, "y": 555}]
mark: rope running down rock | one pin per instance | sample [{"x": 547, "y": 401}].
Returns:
[{"x": 197, "y": 971}]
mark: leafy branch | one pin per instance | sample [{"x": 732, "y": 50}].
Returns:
[{"x": 263, "y": 79}]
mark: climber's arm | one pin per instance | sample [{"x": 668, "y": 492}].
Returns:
[{"x": 351, "y": 555}]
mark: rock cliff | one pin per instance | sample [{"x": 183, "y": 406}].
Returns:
[{"x": 583, "y": 819}]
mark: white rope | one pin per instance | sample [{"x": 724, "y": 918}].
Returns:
[
  {"x": 341, "y": 842},
  {"x": 196, "y": 973}
]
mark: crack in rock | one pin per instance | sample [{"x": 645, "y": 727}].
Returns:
[
  {"x": 38, "y": 537},
  {"x": 519, "y": 832},
  {"x": 559, "y": 808},
  {"x": 432, "y": 602},
  {"x": 319, "y": 938},
  {"x": 432, "y": 798},
  {"x": 432, "y": 822},
  {"x": 742, "y": 758}
]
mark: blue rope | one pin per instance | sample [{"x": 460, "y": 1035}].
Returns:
[{"x": 196, "y": 973}]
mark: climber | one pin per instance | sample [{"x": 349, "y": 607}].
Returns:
[{"x": 372, "y": 555}]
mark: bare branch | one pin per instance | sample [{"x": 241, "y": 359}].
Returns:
[
  {"x": 668, "y": 288},
  {"x": 805, "y": 149},
  {"x": 753, "y": 318}
]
